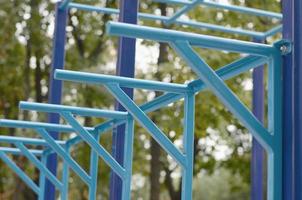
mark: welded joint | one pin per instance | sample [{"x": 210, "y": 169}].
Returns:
[{"x": 285, "y": 46}]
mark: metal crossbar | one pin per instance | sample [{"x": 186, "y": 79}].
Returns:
[
  {"x": 182, "y": 42},
  {"x": 87, "y": 134},
  {"x": 188, "y": 5}
]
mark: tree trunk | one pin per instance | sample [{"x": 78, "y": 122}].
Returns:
[{"x": 155, "y": 164}]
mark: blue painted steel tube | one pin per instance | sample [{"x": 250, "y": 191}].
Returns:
[
  {"x": 188, "y": 145},
  {"x": 101, "y": 79},
  {"x": 125, "y": 67},
  {"x": 87, "y": 137},
  {"x": 128, "y": 157},
  {"x": 191, "y": 23},
  {"x": 224, "y": 93},
  {"x": 15, "y": 151},
  {"x": 52, "y": 108},
  {"x": 242, "y": 9},
  {"x": 65, "y": 174},
  {"x": 164, "y": 35},
  {"x": 93, "y": 171},
  {"x": 65, "y": 156},
  {"x": 274, "y": 168},
  {"x": 292, "y": 101},
  {"x": 182, "y": 11},
  {"x": 55, "y": 88},
  {"x": 64, "y": 4},
  {"x": 42, "y": 176},
  {"x": 226, "y": 72},
  {"x": 32, "y": 125},
  {"x": 25, "y": 140},
  {"x": 145, "y": 121},
  {"x": 30, "y": 183},
  {"x": 39, "y": 165},
  {"x": 257, "y": 170}
]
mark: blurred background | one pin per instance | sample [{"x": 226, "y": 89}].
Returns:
[{"x": 222, "y": 145}]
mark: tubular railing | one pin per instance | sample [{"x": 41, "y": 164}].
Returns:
[{"x": 182, "y": 42}]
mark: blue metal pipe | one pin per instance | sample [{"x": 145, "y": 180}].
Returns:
[
  {"x": 188, "y": 146},
  {"x": 55, "y": 87},
  {"x": 125, "y": 66},
  {"x": 86, "y": 136},
  {"x": 65, "y": 174},
  {"x": 33, "y": 125},
  {"x": 53, "y": 108},
  {"x": 226, "y": 72},
  {"x": 164, "y": 19},
  {"x": 16, "y": 151},
  {"x": 25, "y": 140},
  {"x": 64, "y": 4},
  {"x": 224, "y": 94},
  {"x": 39, "y": 165},
  {"x": 93, "y": 171},
  {"x": 242, "y": 9},
  {"x": 28, "y": 181},
  {"x": 101, "y": 79},
  {"x": 205, "y": 41},
  {"x": 42, "y": 177},
  {"x": 65, "y": 156},
  {"x": 145, "y": 121},
  {"x": 292, "y": 101},
  {"x": 182, "y": 11},
  {"x": 257, "y": 167}
]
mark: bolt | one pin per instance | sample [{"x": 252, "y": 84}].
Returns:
[{"x": 283, "y": 49}]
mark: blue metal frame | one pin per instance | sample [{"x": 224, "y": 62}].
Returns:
[
  {"x": 292, "y": 101},
  {"x": 187, "y": 5},
  {"x": 55, "y": 87},
  {"x": 270, "y": 138},
  {"x": 257, "y": 166},
  {"x": 125, "y": 67}
]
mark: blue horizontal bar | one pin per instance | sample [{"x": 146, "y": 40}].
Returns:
[
  {"x": 242, "y": 9},
  {"x": 226, "y": 72},
  {"x": 34, "y": 125},
  {"x": 101, "y": 79},
  {"x": 55, "y": 108},
  {"x": 25, "y": 140},
  {"x": 205, "y": 41},
  {"x": 16, "y": 151},
  {"x": 164, "y": 19}
]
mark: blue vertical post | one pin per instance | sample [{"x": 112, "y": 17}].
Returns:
[
  {"x": 55, "y": 90},
  {"x": 292, "y": 101},
  {"x": 257, "y": 149},
  {"x": 125, "y": 67}
]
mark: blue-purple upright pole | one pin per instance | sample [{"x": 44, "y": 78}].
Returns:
[
  {"x": 292, "y": 101},
  {"x": 257, "y": 149},
  {"x": 55, "y": 88},
  {"x": 125, "y": 67}
]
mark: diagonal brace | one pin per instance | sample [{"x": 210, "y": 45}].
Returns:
[
  {"x": 39, "y": 165},
  {"x": 145, "y": 121},
  {"x": 62, "y": 153},
  {"x": 221, "y": 90},
  {"x": 29, "y": 182},
  {"x": 87, "y": 137}
]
